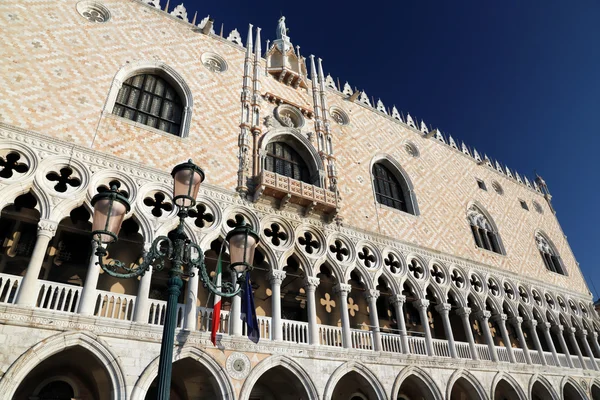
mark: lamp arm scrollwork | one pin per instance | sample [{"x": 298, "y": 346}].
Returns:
[{"x": 227, "y": 289}]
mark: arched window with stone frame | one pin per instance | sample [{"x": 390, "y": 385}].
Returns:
[
  {"x": 391, "y": 185},
  {"x": 484, "y": 230},
  {"x": 549, "y": 254},
  {"x": 151, "y": 94}
]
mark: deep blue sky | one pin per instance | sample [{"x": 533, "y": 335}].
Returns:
[{"x": 518, "y": 80}]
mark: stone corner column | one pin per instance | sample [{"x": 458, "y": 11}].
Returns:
[
  {"x": 342, "y": 289},
  {"x": 595, "y": 342},
  {"x": 483, "y": 317},
  {"x": 310, "y": 285},
  {"x": 500, "y": 319},
  {"x": 571, "y": 334},
  {"x": 87, "y": 303},
  {"x": 28, "y": 290},
  {"x": 444, "y": 310},
  {"x": 532, "y": 325},
  {"x": 276, "y": 278},
  {"x": 372, "y": 295},
  {"x": 422, "y": 305},
  {"x": 464, "y": 313},
  {"x": 142, "y": 300},
  {"x": 397, "y": 301},
  {"x": 546, "y": 328}
]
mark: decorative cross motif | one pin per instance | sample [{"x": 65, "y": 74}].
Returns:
[
  {"x": 393, "y": 263},
  {"x": 158, "y": 204},
  {"x": 494, "y": 289},
  {"x": 93, "y": 16},
  {"x": 352, "y": 306},
  {"x": 367, "y": 256},
  {"x": 339, "y": 250},
  {"x": 537, "y": 298},
  {"x": 457, "y": 279},
  {"x": 63, "y": 179},
  {"x": 328, "y": 302},
  {"x": 115, "y": 183},
  {"x": 523, "y": 294},
  {"x": 10, "y": 164},
  {"x": 308, "y": 242},
  {"x": 416, "y": 269},
  {"x": 437, "y": 274},
  {"x": 509, "y": 291},
  {"x": 276, "y": 234},
  {"x": 201, "y": 215},
  {"x": 238, "y": 219},
  {"x": 476, "y": 283}
]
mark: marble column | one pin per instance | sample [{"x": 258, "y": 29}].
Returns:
[
  {"x": 595, "y": 343},
  {"x": 28, "y": 291},
  {"x": 573, "y": 339},
  {"x": 398, "y": 303},
  {"x": 517, "y": 323},
  {"x": 191, "y": 303},
  {"x": 422, "y": 306},
  {"x": 276, "y": 277},
  {"x": 444, "y": 311},
  {"x": 587, "y": 348},
  {"x": 464, "y": 313},
  {"x": 372, "y": 295},
  {"x": 559, "y": 329},
  {"x": 87, "y": 303},
  {"x": 142, "y": 300},
  {"x": 532, "y": 324},
  {"x": 342, "y": 289},
  {"x": 500, "y": 319},
  {"x": 235, "y": 315},
  {"x": 483, "y": 318},
  {"x": 546, "y": 328},
  {"x": 310, "y": 285}
]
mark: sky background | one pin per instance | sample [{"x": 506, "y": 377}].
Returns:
[{"x": 518, "y": 80}]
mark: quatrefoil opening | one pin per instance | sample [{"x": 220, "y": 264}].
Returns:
[
  {"x": 510, "y": 293},
  {"x": 10, "y": 164},
  {"x": 493, "y": 287},
  {"x": 393, "y": 263},
  {"x": 523, "y": 294},
  {"x": 116, "y": 184},
  {"x": 276, "y": 233},
  {"x": 367, "y": 257},
  {"x": 550, "y": 301},
  {"x": 457, "y": 279},
  {"x": 476, "y": 283},
  {"x": 157, "y": 204},
  {"x": 65, "y": 178},
  {"x": 339, "y": 249},
  {"x": 202, "y": 216},
  {"x": 238, "y": 219},
  {"x": 416, "y": 269},
  {"x": 537, "y": 298},
  {"x": 309, "y": 242},
  {"x": 437, "y": 274}
]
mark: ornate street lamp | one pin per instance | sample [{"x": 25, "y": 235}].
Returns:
[{"x": 183, "y": 256}]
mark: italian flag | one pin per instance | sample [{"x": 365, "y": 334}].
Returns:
[{"x": 216, "y": 316}]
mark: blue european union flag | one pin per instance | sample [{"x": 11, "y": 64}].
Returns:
[{"x": 249, "y": 311}]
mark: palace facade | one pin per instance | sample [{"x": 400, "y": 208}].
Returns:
[{"x": 395, "y": 262}]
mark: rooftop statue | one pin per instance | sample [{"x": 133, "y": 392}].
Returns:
[{"x": 281, "y": 29}]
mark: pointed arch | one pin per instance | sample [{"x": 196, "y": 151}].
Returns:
[
  {"x": 422, "y": 376},
  {"x": 162, "y": 70},
  {"x": 549, "y": 253},
  {"x": 512, "y": 382},
  {"x": 149, "y": 374},
  {"x": 402, "y": 179},
  {"x": 568, "y": 383},
  {"x": 470, "y": 378},
  {"x": 485, "y": 231},
  {"x": 48, "y": 347},
  {"x": 353, "y": 366},
  {"x": 541, "y": 380},
  {"x": 278, "y": 361}
]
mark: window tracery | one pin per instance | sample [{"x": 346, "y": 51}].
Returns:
[
  {"x": 549, "y": 254},
  {"x": 284, "y": 160},
  {"x": 483, "y": 231}
]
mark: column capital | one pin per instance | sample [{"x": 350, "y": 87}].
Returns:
[
  {"x": 397, "y": 299},
  {"x": 46, "y": 227},
  {"x": 372, "y": 293},
  {"x": 548, "y": 325},
  {"x": 500, "y": 318},
  {"x": 311, "y": 282},
  {"x": 443, "y": 308},
  {"x": 276, "y": 276},
  {"x": 516, "y": 320},
  {"x": 421, "y": 303},
  {"x": 582, "y": 333},
  {"x": 464, "y": 311},
  {"x": 531, "y": 322},
  {"x": 342, "y": 288},
  {"x": 483, "y": 314},
  {"x": 571, "y": 331},
  {"x": 558, "y": 328},
  {"x": 595, "y": 334}
]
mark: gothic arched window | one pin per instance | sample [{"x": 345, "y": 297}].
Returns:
[
  {"x": 150, "y": 100},
  {"x": 549, "y": 254},
  {"x": 284, "y": 160},
  {"x": 484, "y": 232},
  {"x": 388, "y": 189}
]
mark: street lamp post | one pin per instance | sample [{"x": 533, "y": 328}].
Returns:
[{"x": 177, "y": 253}]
